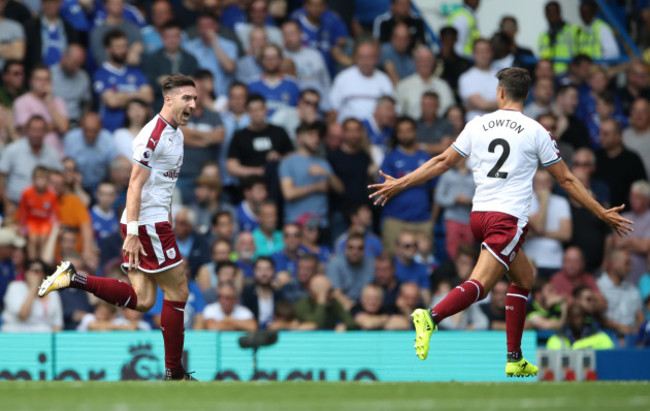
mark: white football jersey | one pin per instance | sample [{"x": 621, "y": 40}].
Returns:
[
  {"x": 505, "y": 148},
  {"x": 158, "y": 147}
]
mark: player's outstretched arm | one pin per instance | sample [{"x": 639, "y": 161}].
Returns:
[
  {"x": 431, "y": 169},
  {"x": 577, "y": 191}
]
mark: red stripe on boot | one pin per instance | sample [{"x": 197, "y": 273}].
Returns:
[
  {"x": 173, "y": 331},
  {"x": 457, "y": 300},
  {"x": 516, "y": 301}
]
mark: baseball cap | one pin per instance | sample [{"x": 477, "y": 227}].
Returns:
[
  {"x": 9, "y": 237},
  {"x": 309, "y": 220}
]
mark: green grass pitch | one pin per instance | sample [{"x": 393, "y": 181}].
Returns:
[{"x": 336, "y": 396}]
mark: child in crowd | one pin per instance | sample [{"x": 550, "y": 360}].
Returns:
[{"x": 37, "y": 212}]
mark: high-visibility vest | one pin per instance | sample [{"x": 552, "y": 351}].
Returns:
[
  {"x": 598, "y": 341},
  {"x": 588, "y": 42},
  {"x": 562, "y": 49},
  {"x": 473, "y": 28}
]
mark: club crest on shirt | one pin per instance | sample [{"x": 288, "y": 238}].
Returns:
[{"x": 171, "y": 253}]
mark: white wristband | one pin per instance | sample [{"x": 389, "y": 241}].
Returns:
[{"x": 132, "y": 228}]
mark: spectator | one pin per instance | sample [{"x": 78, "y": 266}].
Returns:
[
  {"x": 298, "y": 287},
  {"x": 543, "y": 98},
  {"x": 456, "y": 271},
  {"x": 594, "y": 37},
  {"x": 226, "y": 314},
  {"x": 257, "y": 149},
  {"x": 573, "y": 275},
  {"x": 255, "y": 193},
  {"x": 638, "y": 242},
  {"x": 464, "y": 21},
  {"x": 624, "y": 309},
  {"x": 424, "y": 252},
  {"x": 214, "y": 52},
  {"x": 13, "y": 80},
  {"x": 636, "y": 137},
  {"x": 94, "y": 149},
  {"x": 352, "y": 165},
  {"x": 477, "y": 86},
  {"x": 116, "y": 84},
  {"x": 548, "y": 308},
  {"x": 223, "y": 227},
  {"x": 385, "y": 278},
  {"x": 311, "y": 241},
  {"x": 115, "y": 22},
  {"x": 130, "y": 12},
  {"x": 207, "y": 202},
  {"x": 41, "y": 101},
  {"x": 570, "y": 128},
  {"x": 311, "y": 68},
  {"x": 286, "y": 260},
  {"x": 245, "y": 253},
  {"x": 523, "y": 56},
  {"x": 24, "y": 312},
  {"x": 106, "y": 317},
  {"x": 322, "y": 308},
  {"x": 9, "y": 242},
  {"x": 549, "y": 121},
  {"x": 598, "y": 103},
  {"x": 260, "y": 298},
  {"x": 278, "y": 91},
  {"x": 268, "y": 240},
  {"x": 407, "y": 269},
  {"x": 636, "y": 86},
  {"x": 249, "y": 67},
  {"x": 38, "y": 212},
  {"x": 454, "y": 194},
  {"x": 578, "y": 74},
  {"x": 471, "y": 319},
  {"x": 407, "y": 301},
  {"x": 399, "y": 13},
  {"x": 203, "y": 135},
  {"x": 550, "y": 225},
  {"x": 495, "y": 309},
  {"x": 234, "y": 118},
  {"x": 578, "y": 332},
  {"x": 48, "y": 35},
  {"x": 284, "y": 318},
  {"x": 503, "y": 49},
  {"x": 325, "y": 31},
  {"x": 456, "y": 116},
  {"x": 360, "y": 221},
  {"x": 558, "y": 41},
  {"x": 138, "y": 113},
  {"x": 350, "y": 272},
  {"x": 153, "y": 35},
  {"x": 12, "y": 37},
  {"x": 120, "y": 174},
  {"x": 219, "y": 270},
  {"x": 369, "y": 314},
  {"x": 290, "y": 118},
  {"x": 307, "y": 191},
  {"x": 434, "y": 133},
  {"x": 168, "y": 57},
  {"x": 18, "y": 160},
  {"x": 379, "y": 127},
  {"x": 355, "y": 89},
  {"x": 593, "y": 303},
  {"x": 410, "y": 210},
  {"x": 396, "y": 59},
  {"x": 192, "y": 246},
  {"x": 105, "y": 222},
  {"x": 258, "y": 18},
  {"x": 71, "y": 82},
  {"x": 453, "y": 64},
  {"x": 616, "y": 165},
  {"x": 72, "y": 180}
]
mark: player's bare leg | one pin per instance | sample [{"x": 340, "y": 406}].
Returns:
[
  {"x": 521, "y": 278},
  {"x": 174, "y": 286},
  {"x": 145, "y": 288}
]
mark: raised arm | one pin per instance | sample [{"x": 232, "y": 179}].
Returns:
[
  {"x": 578, "y": 192},
  {"x": 431, "y": 169}
]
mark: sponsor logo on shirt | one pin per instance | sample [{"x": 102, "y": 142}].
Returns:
[{"x": 173, "y": 174}]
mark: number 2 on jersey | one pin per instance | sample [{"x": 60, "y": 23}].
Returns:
[{"x": 494, "y": 172}]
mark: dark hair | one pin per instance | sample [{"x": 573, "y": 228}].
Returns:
[
  {"x": 205, "y": 14},
  {"x": 356, "y": 236},
  {"x": 237, "y": 84},
  {"x": 385, "y": 257},
  {"x": 579, "y": 289},
  {"x": 607, "y": 96},
  {"x": 353, "y": 210},
  {"x": 224, "y": 264},
  {"x": 39, "y": 66},
  {"x": 387, "y": 98},
  {"x": 292, "y": 22},
  {"x": 113, "y": 35},
  {"x": 307, "y": 256},
  {"x": 448, "y": 30},
  {"x": 172, "y": 24},
  {"x": 264, "y": 258},
  {"x": 515, "y": 81},
  {"x": 215, "y": 218},
  {"x": 405, "y": 119},
  {"x": 35, "y": 117},
  {"x": 174, "y": 81},
  {"x": 581, "y": 58},
  {"x": 309, "y": 91},
  {"x": 40, "y": 169},
  {"x": 351, "y": 120},
  {"x": 304, "y": 128},
  {"x": 431, "y": 94},
  {"x": 255, "y": 97},
  {"x": 249, "y": 182},
  {"x": 564, "y": 88},
  {"x": 202, "y": 74},
  {"x": 127, "y": 120},
  {"x": 11, "y": 62}
]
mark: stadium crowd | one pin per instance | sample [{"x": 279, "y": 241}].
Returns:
[{"x": 300, "y": 104}]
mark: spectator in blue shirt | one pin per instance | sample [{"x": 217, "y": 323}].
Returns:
[
  {"x": 410, "y": 210},
  {"x": 407, "y": 270},
  {"x": 255, "y": 192},
  {"x": 245, "y": 253},
  {"x": 350, "y": 272},
  {"x": 214, "y": 53},
  {"x": 313, "y": 240},
  {"x": 286, "y": 260},
  {"x": 278, "y": 91},
  {"x": 324, "y": 31},
  {"x": 360, "y": 221},
  {"x": 9, "y": 241},
  {"x": 379, "y": 127},
  {"x": 104, "y": 219},
  {"x": 93, "y": 148},
  {"x": 116, "y": 84},
  {"x": 396, "y": 57}
]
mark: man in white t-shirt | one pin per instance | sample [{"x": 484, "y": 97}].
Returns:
[
  {"x": 550, "y": 226},
  {"x": 476, "y": 86},
  {"x": 504, "y": 149},
  {"x": 355, "y": 90},
  {"x": 226, "y": 314}
]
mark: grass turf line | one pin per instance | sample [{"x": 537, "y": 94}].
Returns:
[{"x": 338, "y": 396}]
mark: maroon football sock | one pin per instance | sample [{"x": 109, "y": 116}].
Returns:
[
  {"x": 108, "y": 289},
  {"x": 457, "y": 300},
  {"x": 516, "y": 301},
  {"x": 173, "y": 330}
]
